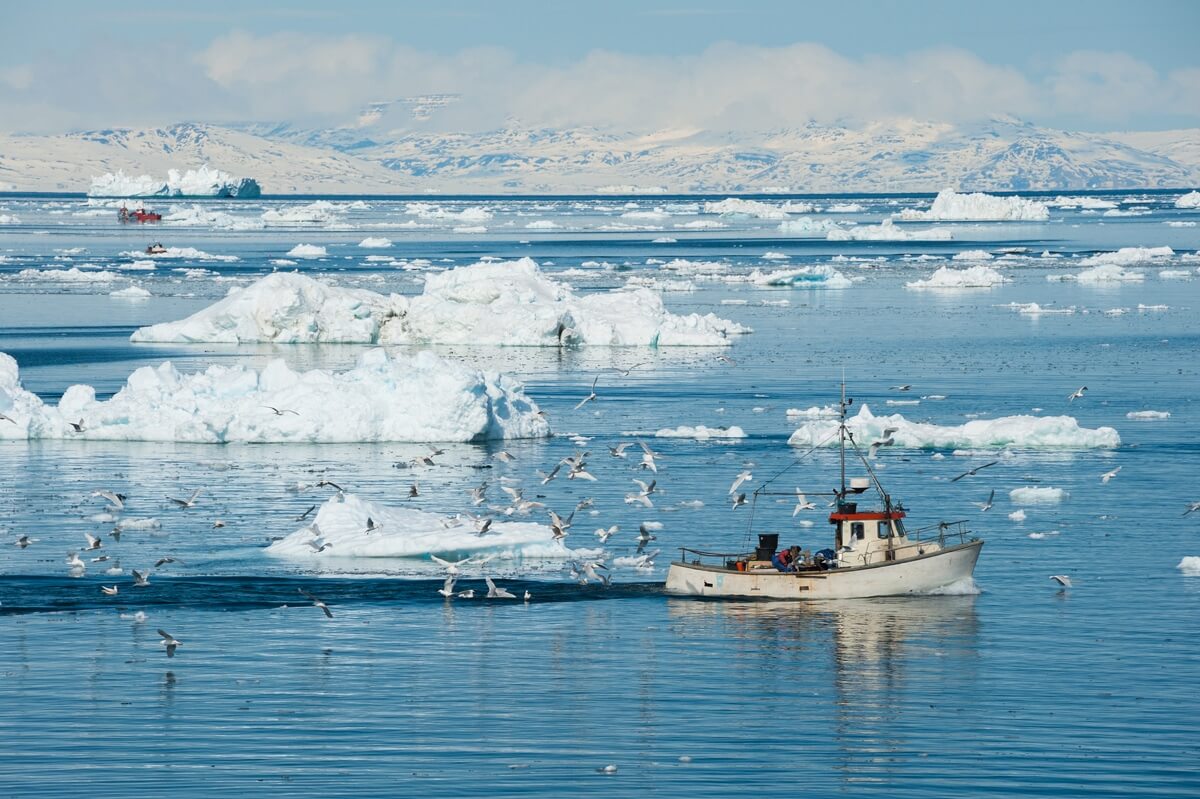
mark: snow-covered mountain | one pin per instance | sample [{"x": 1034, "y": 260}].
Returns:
[{"x": 369, "y": 156}]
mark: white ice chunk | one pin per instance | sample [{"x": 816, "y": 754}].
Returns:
[
  {"x": 1148, "y": 415},
  {"x": 1040, "y": 432},
  {"x": 1190, "y": 564},
  {"x": 375, "y": 242},
  {"x": 1036, "y": 495},
  {"x": 970, "y": 278},
  {"x": 820, "y": 275},
  {"x": 888, "y": 231},
  {"x": 807, "y": 226},
  {"x": 949, "y": 205},
  {"x": 700, "y": 432},
  {"x": 307, "y": 251},
  {"x": 321, "y": 212},
  {"x": 736, "y": 206},
  {"x": 1189, "y": 200}
]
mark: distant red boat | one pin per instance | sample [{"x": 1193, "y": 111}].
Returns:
[{"x": 140, "y": 215}]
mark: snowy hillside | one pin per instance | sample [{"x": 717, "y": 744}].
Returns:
[{"x": 896, "y": 156}]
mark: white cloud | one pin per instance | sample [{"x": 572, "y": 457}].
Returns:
[{"x": 328, "y": 79}]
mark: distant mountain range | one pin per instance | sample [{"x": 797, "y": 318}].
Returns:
[{"x": 1000, "y": 155}]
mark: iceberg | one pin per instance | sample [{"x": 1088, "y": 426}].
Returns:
[
  {"x": 375, "y": 242},
  {"x": 1036, "y": 495},
  {"x": 504, "y": 303},
  {"x": 700, "y": 432},
  {"x": 1033, "y": 432},
  {"x": 1189, "y": 200},
  {"x": 888, "y": 231},
  {"x": 202, "y": 182},
  {"x": 1085, "y": 203},
  {"x": 130, "y": 293},
  {"x": 190, "y": 253},
  {"x": 1105, "y": 273},
  {"x": 971, "y": 278},
  {"x": 816, "y": 275},
  {"x": 404, "y": 399},
  {"x": 321, "y": 212},
  {"x": 1128, "y": 256},
  {"x": 949, "y": 205},
  {"x": 736, "y": 206},
  {"x": 307, "y": 251},
  {"x": 411, "y": 533}
]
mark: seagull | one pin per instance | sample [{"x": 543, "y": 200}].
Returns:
[
  {"x": 319, "y": 547},
  {"x": 108, "y": 591},
  {"x": 548, "y": 476},
  {"x": 422, "y": 460},
  {"x": 973, "y": 472},
  {"x": 578, "y": 472},
  {"x": 1078, "y": 394},
  {"x": 317, "y": 602},
  {"x": 587, "y": 571},
  {"x": 114, "y": 499},
  {"x": 644, "y": 537},
  {"x": 451, "y": 568},
  {"x": 986, "y": 506},
  {"x": 528, "y": 596},
  {"x": 559, "y": 525},
  {"x": 739, "y": 500},
  {"x": 477, "y": 494},
  {"x": 169, "y": 642},
  {"x": 24, "y": 541},
  {"x": 496, "y": 592},
  {"x": 1061, "y": 579},
  {"x": 140, "y": 579},
  {"x": 304, "y": 515},
  {"x": 802, "y": 503},
  {"x": 648, "y": 456},
  {"x": 1104, "y": 478},
  {"x": 190, "y": 502},
  {"x": 589, "y": 397},
  {"x": 164, "y": 561},
  {"x": 604, "y": 535},
  {"x": 586, "y": 502},
  {"x": 483, "y": 525},
  {"x": 372, "y": 525},
  {"x": 75, "y": 562},
  {"x": 1192, "y": 506},
  {"x": 93, "y": 542},
  {"x": 218, "y": 523},
  {"x": 727, "y": 359},
  {"x": 4, "y": 418},
  {"x": 282, "y": 411},
  {"x": 646, "y": 560},
  {"x": 741, "y": 478},
  {"x": 77, "y": 426},
  {"x": 886, "y": 441},
  {"x": 905, "y": 387},
  {"x": 468, "y": 594},
  {"x": 414, "y": 491},
  {"x": 619, "y": 450},
  {"x": 330, "y": 483},
  {"x": 625, "y": 372},
  {"x": 504, "y": 456},
  {"x": 447, "y": 589}
]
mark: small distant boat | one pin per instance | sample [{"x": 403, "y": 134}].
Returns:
[
  {"x": 140, "y": 215},
  {"x": 873, "y": 554},
  {"x": 155, "y": 249}
]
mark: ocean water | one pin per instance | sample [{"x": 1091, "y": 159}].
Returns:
[{"x": 1014, "y": 686}]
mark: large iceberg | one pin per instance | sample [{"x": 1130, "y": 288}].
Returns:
[
  {"x": 1035, "y": 432},
  {"x": 971, "y": 278},
  {"x": 397, "y": 398},
  {"x": 202, "y": 182},
  {"x": 497, "y": 303},
  {"x": 888, "y": 231},
  {"x": 1189, "y": 200},
  {"x": 409, "y": 533},
  {"x": 950, "y": 206}
]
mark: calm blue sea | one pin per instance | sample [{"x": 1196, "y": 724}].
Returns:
[{"x": 1020, "y": 688}]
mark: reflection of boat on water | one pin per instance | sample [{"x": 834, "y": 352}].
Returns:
[
  {"x": 873, "y": 553},
  {"x": 139, "y": 215}
]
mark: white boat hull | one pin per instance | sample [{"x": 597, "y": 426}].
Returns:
[{"x": 917, "y": 575}]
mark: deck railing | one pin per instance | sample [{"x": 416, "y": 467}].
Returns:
[
  {"x": 941, "y": 531},
  {"x": 699, "y": 556}
]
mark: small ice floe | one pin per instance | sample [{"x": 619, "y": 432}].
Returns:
[
  {"x": 701, "y": 432},
  {"x": 1018, "y": 515},
  {"x": 950, "y": 206},
  {"x": 807, "y": 226},
  {"x": 321, "y": 212},
  {"x": 754, "y": 209},
  {"x": 375, "y": 243},
  {"x": 1190, "y": 564},
  {"x": 1152, "y": 308},
  {"x": 1033, "y": 309},
  {"x": 1189, "y": 200},
  {"x": 307, "y": 251},
  {"x": 180, "y": 253},
  {"x": 130, "y": 293},
  {"x": 814, "y": 276},
  {"x": 974, "y": 277},
  {"x": 1037, "y": 495},
  {"x": 1035, "y": 432},
  {"x": 889, "y": 231},
  {"x": 1148, "y": 415},
  {"x": 72, "y": 275}
]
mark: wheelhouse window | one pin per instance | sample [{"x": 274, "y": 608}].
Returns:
[
  {"x": 885, "y": 529},
  {"x": 857, "y": 531}
]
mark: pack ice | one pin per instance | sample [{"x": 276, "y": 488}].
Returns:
[
  {"x": 950, "y": 206},
  {"x": 409, "y": 533},
  {"x": 397, "y": 398},
  {"x": 1034, "y": 432},
  {"x": 499, "y": 303}
]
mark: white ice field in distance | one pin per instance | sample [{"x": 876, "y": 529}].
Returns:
[
  {"x": 1032, "y": 432},
  {"x": 202, "y": 182},
  {"x": 424, "y": 398},
  {"x": 490, "y": 303}
]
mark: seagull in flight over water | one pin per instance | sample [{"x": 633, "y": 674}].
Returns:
[
  {"x": 1061, "y": 579},
  {"x": 1104, "y": 478},
  {"x": 317, "y": 602},
  {"x": 190, "y": 502},
  {"x": 973, "y": 472},
  {"x": 170, "y": 642},
  {"x": 1077, "y": 394},
  {"x": 986, "y": 506},
  {"x": 496, "y": 592},
  {"x": 589, "y": 397},
  {"x": 802, "y": 503}
]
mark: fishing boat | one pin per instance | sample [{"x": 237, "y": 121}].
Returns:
[
  {"x": 873, "y": 552},
  {"x": 140, "y": 215}
]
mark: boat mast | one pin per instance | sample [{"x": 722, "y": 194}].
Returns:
[{"x": 842, "y": 435}]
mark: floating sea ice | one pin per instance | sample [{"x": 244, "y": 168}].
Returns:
[
  {"x": 807, "y": 226},
  {"x": 889, "y": 231},
  {"x": 9, "y": 219},
  {"x": 1129, "y": 256},
  {"x": 72, "y": 275},
  {"x": 771, "y": 255},
  {"x": 507, "y": 303},
  {"x": 1034, "y": 432},
  {"x": 1033, "y": 309},
  {"x": 736, "y": 206},
  {"x": 1104, "y": 273},
  {"x": 1148, "y": 415},
  {"x": 411, "y": 533},
  {"x": 1175, "y": 274},
  {"x": 199, "y": 216},
  {"x": 1148, "y": 308},
  {"x": 375, "y": 242},
  {"x": 1190, "y": 564},
  {"x": 542, "y": 224},
  {"x": 827, "y": 412},
  {"x": 902, "y": 402},
  {"x": 972, "y": 255},
  {"x": 419, "y": 398},
  {"x": 949, "y": 205},
  {"x": 321, "y": 212},
  {"x": 813, "y": 276},
  {"x": 187, "y": 253},
  {"x": 1036, "y": 495},
  {"x": 844, "y": 208},
  {"x": 1089, "y": 203},
  {"x": 307, "y": 251},
  {"x": 664, "y": 240},
  {"x": 1189, "y": 200},
  {"x": 700, "y": 432},
  {"x": 1018, "y": 515},
  {"x": 130, "y": 293},
  {"x": 970, "y": 278}
]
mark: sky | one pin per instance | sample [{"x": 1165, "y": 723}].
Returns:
[{"x": 631, "y": 66}]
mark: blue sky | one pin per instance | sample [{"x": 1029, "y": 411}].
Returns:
[{"x": 1091, "y": 65}]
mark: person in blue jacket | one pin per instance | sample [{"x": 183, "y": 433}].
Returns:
[{"x": 785, "y": 559}]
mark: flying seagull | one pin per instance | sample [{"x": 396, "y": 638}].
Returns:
[
  {"x": 802, "y": 503},
  {"x": 108, "y": 591},
  {"x": 739, "y": 500},
  {"x": 451, "y": 568},
  {"x": 77, "y": 426},
  {"x": 604, "y": 535},
  {"x": 648, "y": 456},
  {"x": 1077, "y": 394},
  {"x": 589, "y": 397},
  {"x": 1104, "y": 478},
  {"x": 93, "y": 541},
  {"x": 1192, "y": 506},
  {"x": 447, "y": 589},
  {"x": 4, "y": 418},
  {"x": 114, "y": 499},
  {"x": 496, "y": 592},
  {"x": 190, "y": 502},
  {"x": 317, "y": 602},
  {"x": 170, "y": 642},
  {"x": 140, "y": 579},
  {"x": 644, "y": 537},
  {"x": 741, "y": 478},
  {"x": 1061, "y": 579},
  {"x": 973, "y": 472},
  {"x": 905, "y": 387},
  {"x": 282, "y": 411},
  {"x": 304, "y": 515},
  {"x": 986, "y": 506}
]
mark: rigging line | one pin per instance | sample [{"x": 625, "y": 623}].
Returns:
[{"x": 799, "y": 458}]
